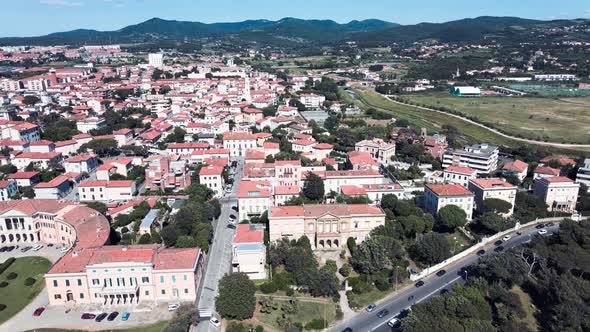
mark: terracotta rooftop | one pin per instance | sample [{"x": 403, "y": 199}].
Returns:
[
  {"x": 460, "y": 170},
  {"x": 493, "y": 183},
  {"x": 451, "y": 189},
  {"x": 340, "y": 210},
  {"x": 245, "y": 235},
  {"x": 517, "y": 166}
]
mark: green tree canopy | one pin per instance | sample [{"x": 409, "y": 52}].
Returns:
[
  {"x": 236, "y": 298},
  {"x": 313, "y": 187},
  {"x": 451, "y": 217}
]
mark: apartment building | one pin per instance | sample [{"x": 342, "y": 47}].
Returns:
[
  {"x": 312, "y": 100},
  {"x": 254, "y": 198},
  {"x": 327, "y": 226},
  {"x": 559, "y": 192},
  {"x": 101, "y": 190},
  {"x": 481, "y": 157},
  {"x": 88, "y": 124},
  {"x": 57, "y": 188},
  {"x": 81, "y": 164},
  {"x": 379, "y": 150},
  {"x": 545, "y": 172},
  {"x": 459, "y": 175},
  {"x": 516, "y": 168},
  {"x": 39, "y": 159},
  {"x": 583, "y": 175},
  {"x": 8, "y": 189},
  {"x": 493, "y": 188},
  {"x": 238, "y": 143},
  {"x": 437, "y": 196},
  {"x": 212, "y": 178},
  {"x": 167, "y": 173},
  {"x": 249, "y": 252}
]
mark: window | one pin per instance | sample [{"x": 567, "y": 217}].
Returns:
[
  {"x": 81, "y": 295},
  {"x": 162, "y": 279},
  {"x": 173, "y": 278},
  {"x": 147, "y": 292},
  {"x": 95, "y": 282},
  {"x": 54, "y": 283},
  {"x": 145, "y": 280},
  {"x": 184, "y": 277},
  {"x": 186, "y": 291},
  {"x": 67, "y": 283},
  {"x": 79, "y": 282},
  {"x": 57, "y": 297},
  {"x": 163, "y": 292}
]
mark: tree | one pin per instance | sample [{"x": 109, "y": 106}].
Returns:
[
  {"x": 493, "y": 223},
  {"x": 236, "y": 298},
  {"x": 451, "y": 217},
  {"x": 431, "y": 248},
  {"x": 496, "y": 205},
  {"x": 169, "y": 235},
  {"x": 331, "y": 123},
  {"x": 145, "y": 239},
  {"x": 177, "y": 136},
  {"x": 313, "y": 187},
  {"x": 31, "y": 100},
  {"x": 102, "y": 147},
  {"x": 186, "y": 241},
  {"x": 98, "y": 206},
  {"x": 371, "y": 257},
  {"x": 183, "y": 318}
]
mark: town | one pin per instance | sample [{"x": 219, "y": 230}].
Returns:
[{"x": 243, "y": 190}]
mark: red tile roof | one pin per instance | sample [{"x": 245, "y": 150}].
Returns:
[
  {"x": 254, "y": 189},
  {"x": 461, "y": 170},
  {"x": 38, "y": 155},
  {"x": 451, "y": 189},
  {"x": 340, "y": 210},
  {"x": 211, "y": 170},
  {"x": 546, "y": 170},
  {"x": 245, "y": 235},
  {"x": 493, "y": 183},
  {"x": 516, "y": 166},
  {"x": 286, "y": 190},
  {"x": 556, "y": 179},
  {"x": 23, "y": 175},
  {"x": 56, "y": 182},
  {"x": 352, "y": 190}
]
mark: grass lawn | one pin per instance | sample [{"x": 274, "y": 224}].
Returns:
[
  {"x": 434, "y": 121},
  {"x": 16, "y": 295},
  {"x": 525, "y": 299},
  {"x": 306, "y": 311},
  {"x": 565, "y": 120},
  {"x": 359, "y": 301},
  {"x": 458, "y": 242},
  {"x": 156, "y": 327}
]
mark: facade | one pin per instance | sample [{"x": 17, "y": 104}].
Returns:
[
  {"x": 170, "y": 173},
  {"x": 379, "y": 150},
  {"x": 327, "y": 226},
  {"x": 8, "y": 189},
  {"x": 239, "y": 143},
  {"x": 89, "y": 124},
  {"x": 100, "y": 190},
  {"x": 560, "y": 193},
  {"x": 57, "y": 188},
  {"x": 459, "y": 175},
  {"x": 212, "y": 178},
  {"x": 40, "y": 159},
  {"x": 312, "y": 100},
  {"x": 81, "y": 164},
  {"x": 481, "y": 157},
  {"x": 156, "y": 60},
  {"x": 254, "y": 198},
  {"x": 517, "y": 168},
  {"x": 493, "y": 188},
  {"x": 249, "y": 252},
  {"x": 583, "y": 175},
  {"x": 437, "y": 196}
]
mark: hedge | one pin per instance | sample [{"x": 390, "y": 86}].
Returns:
[
  {"x": 268, "y": 288},
  {"x": 2, "y": 306},
  {"x": 30, "y": 281},
  {"x": 6, "y": 264},
  {"x": 11, "y": 276},
  {"x": 3, "y": 284}
]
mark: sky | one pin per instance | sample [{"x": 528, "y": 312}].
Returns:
[{"x": 39, "y": 17}]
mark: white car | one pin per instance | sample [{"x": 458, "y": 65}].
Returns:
[
  {"x": 215, "y": 322},
  {"x": 394, "y": 322},
  {"x": 506, "y": 238},
  {"x": 37, "y": 247},
  {"x": 64, "y": 250},
  {"x": 232, "y": 221},
  {"x": 542, "y": 232},
  {"x": 172, "y": 307}
]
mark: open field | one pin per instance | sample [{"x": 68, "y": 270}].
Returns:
[
  {"x": 434, "y": 121},
  {"x": 306, "y": 311},
  {"x": 564, "y": 120},
  {"x": 157, "y": 327},
  {"x": 16, "y": 295}
]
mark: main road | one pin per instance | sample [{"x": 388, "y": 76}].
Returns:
[
  {"x": 433, "y": 285},
  {"x": 220, "y": 254}
]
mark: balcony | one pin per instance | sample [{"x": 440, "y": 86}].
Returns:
[{"x": 119, "y": 290}]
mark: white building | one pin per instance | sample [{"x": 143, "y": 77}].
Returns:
[
  {"x": 238, "y": 143},
  {"x": 89, "y": 124},
  {"x": 212, "y": 178},
  {"x": 481, "y": 157},
  {"x": 156, "y": 60},
  {"x": 559, "y": 192},
  {"x": 583, "y": 175},
  {"x": 459, "y": 175},
  {"x": 437, "y": 196},
  {"x": 81, "y": 164},
  {"x": 249, "y": 252},
  {"x": 254, "y": 198},
  {"x": 100, "y": 190},
  {"x": 493, "y": 188},
  {"x": 312, "y": 100},
  {"x": 379, "y": 150}
]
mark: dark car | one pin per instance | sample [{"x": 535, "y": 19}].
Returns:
[
  {"x": 382, "y": 313},
  {"x": 410, "y": 298},
  {"x": 441, "y": 273},
  {"x": 232, "y": 226},
  {"x": 499, "y": 242},
  {"x": 481, "y": 252},
  {"x": 112, "y": 316},
  {"x": 88, "y": 315},
  {"x": 50, "y": 245},
  {"x": 550, "y": 224},
  {"x": 539, "y": 226},
  {"x": 101, "y": 317},
  {"x": 419, "y": 284},
  {"x": 348, "y": 329},
  {"x": 443, "y": 291},
  {"x": 499, "y": 249},
  {"x": 38, "y": 311},
  {"x": 235, "y": 208}
]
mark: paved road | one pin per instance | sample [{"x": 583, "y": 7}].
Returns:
[
  {"x": 365, "y": 321},
  {"x": 495, "y": 131},
  {"x": 220, "y": 253}
]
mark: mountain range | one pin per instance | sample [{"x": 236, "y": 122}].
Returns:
[{"x": 297, "y": 32}]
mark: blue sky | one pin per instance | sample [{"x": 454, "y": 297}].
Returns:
[{"x": 38, "y": 17}]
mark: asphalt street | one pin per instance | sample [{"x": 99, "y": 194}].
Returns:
[
  {"x": 220, "y": 253},
  {"x": 433, "y": 285}
]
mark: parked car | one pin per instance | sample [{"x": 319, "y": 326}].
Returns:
[
  {"x": 232, "y": 226},
  {"x": 215, "y": 322},
  {"x": 88, "y": 315},
  {"x": 499, "y": 242},
  {"x": 371, "y": 307},
  {"x": 25, "y": 249},
  {"x": 112, "y": 316},
  {"x": 441, "y": 273},
  {"x": 64, "y": 250},
  {"x": 499, "y": 249},
  {"x": 550, "y": 224},
  {"x": 382, "y": 313},
  {"x": 348, "y": 329},
  {"x": 37, "y": 247},
  {"x": 101, "y": 317},
  {"x": 539, "y": 226},
  {"x": 481, "y": 252},
  {"x": 542, "y": 231},
  {"x": 419, "y": 284},
  {"x": 506, "y": 238},
  {"x": 38, "y": 311},
  {"x": 125, "y": 316},
  {"x": 394, "y": 322},
  {"x": 235, "y": 208},
  {"x": 172, "y": 307}
]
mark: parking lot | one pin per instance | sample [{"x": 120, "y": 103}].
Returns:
[{"x": 51, "y": 253}]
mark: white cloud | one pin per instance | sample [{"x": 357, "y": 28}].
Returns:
[{"x": 61, "y": 3}]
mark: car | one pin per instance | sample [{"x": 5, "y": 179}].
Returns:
[
  {"x": 101, "y": 317},
  {"x": 232, "y": 216},
  {"x": 419, "y": 284},
  {"x": 499, "y": 249},
  {"x": 10, "y": 248},
  {"x": 441, "y": 273},
  {"x": 410, "y": 298},
  {"x": 506, "y": 238},
  {"x": 371, "y": 307},
  {"x": 404, "y": 313},
  {"x": 37, "y": 247},
  {"x": 394, "y": 322},
  {"x": 38, "y": 311},
  {"x": 111, "y": 317},
  {"x": 550, "y": 224},
  {"x": 542, "y": 231},
  {"x": 519, "y": 233},
  {"x": 50, "y": 245},
  {"x": 348, "y": 329},
  {"x": 174, "y": 306},
  {"x": 125, "y": 316},
  {"x": 215, "y": 322},
  {"x": 481, "y": 252},
  {"x": 235, "y": 208},
  {"x": 88, "y": 315},
  {"x": 499, "y": 242},
  {"x": 232, "y": 226},
  {"x": 382, "y": 313},
  {"x": 443, "y": 291},
  {"x": 64, "y": 250},
  {"x": 25, "y": 249},
  {"x": 539, "y": 226}
]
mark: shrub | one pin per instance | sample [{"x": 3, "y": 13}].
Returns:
[
  {"x": 316, "y": 324},
  {"x": 6, "y": 264},
  {"x": 3, "y": 284},
  {"x": 11, "y": 276},
  {"x": 30, "y": 281},
  {"x": 259, "y": 329},
  {"x": 290, "y": 292},
  {"x": 345, "y": 270},
  {"x": 2, "y": 306},
  {"x": 268, "y": 288}
]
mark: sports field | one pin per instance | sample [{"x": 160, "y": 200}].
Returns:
[{"x": 563, "y": 120}]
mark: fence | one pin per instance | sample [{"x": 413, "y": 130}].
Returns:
[{"x": 473, "y": 249}]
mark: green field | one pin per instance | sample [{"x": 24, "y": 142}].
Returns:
[
  {"x": 306, "y": 311},
  {"x": 434, "y": 121},
  {"x": 563, "y": 120},
  {"x": 157, "y": 327},
  {"x": 16, "y": 295}
]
